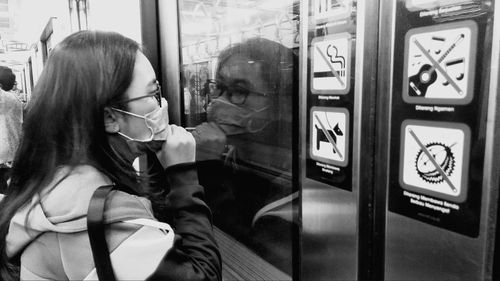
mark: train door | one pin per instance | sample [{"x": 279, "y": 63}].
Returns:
[
  {"x": 232, "y": 67},
  {"x": 398, "y": 178},
  {"x": 438, "y": 135},
  {"x": 370, "y": 127}
]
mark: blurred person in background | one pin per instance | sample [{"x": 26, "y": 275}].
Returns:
[
  {"x": 11, "y": 120},
  {"x": 195, "y": 101},
  {"x": 96, "y": 107}
]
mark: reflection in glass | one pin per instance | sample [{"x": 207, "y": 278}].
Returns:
[
  {"x": 239, "y": 78},
  {"x": 237, "y": 93}
]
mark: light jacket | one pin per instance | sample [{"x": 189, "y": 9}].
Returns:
[
  {"x": 11, "y": 120},
  {"x": 51, "y": 234}
]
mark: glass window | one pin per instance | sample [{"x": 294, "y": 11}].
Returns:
[
  {"x": 4, "y": 23},
  {"x": 127, "y": 21},
  {"x": 240, "y": 76}
]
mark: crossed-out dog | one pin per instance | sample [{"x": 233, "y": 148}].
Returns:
[{"x": 321, "y": 137}]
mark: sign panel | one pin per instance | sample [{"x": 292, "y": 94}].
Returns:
[
  {"x": 439, "y": 63},
  {"x": 330, "y": 92},
  {"x": 331, "y": 64},
  {"x": 329, "y": 135},
  {"x": 332, "y": 9},
  {"x": 434, "y": 159},
  {"x": 438, "y": 106}
]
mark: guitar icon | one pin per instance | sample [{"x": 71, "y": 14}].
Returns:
[{"x": 427, "y": 73}]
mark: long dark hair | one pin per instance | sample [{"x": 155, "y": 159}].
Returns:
[{"x": 86, "y": 72}]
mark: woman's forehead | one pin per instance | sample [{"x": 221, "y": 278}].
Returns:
[
  {"x": 143, "y": 68},
  {"x": 143, "y": 79}
]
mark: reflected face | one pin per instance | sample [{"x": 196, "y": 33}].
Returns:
[
  {"x": 143, "y": 85},
  {"x": 242, "y": 98},
  {"x": 240, "y": 71}
]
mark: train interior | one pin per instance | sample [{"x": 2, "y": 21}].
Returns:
[{"x": 362, "y": 136}]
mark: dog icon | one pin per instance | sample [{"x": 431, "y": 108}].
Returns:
[{"x": 321, "y": 137}]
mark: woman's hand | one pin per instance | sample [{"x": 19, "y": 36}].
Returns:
[
  {"x": 180, "y": 147},
  {"x": 210, "y": 141}
]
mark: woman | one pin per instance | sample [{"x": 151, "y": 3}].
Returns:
[{"x": 95, "y": 108}]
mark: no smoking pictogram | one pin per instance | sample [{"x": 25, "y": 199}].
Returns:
[{"x": 331, "y": 64}]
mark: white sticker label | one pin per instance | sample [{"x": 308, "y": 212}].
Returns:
[
  {"x": 439, "y": 66},
  {"x": 331, "y": 65},
  {"x": 433, "y": 159}
]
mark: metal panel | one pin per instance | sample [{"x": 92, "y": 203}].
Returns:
[
  {"x": 364, "y": 136},
  {"x": 492, "y": 161},
  {"x": 419, "y": 251},
  {"x": 149, "y": 34},
  {"x": 170, "y": 63},
  {"x": 381, "y": 178},
  {"x": 328, "y": 233},
  {"x": 328, "y": 214},
  {"x": 337, "y": 225},
  {"x": 492, "y": 147}
]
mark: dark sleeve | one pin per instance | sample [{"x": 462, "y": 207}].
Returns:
[
  {"x": 210, "y": 172},
  {"x": 194, "y": 255}
]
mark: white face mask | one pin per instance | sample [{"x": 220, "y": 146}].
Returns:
[
  {"x": 156, "y": 121},
  {"x": 234, "y": 119}
]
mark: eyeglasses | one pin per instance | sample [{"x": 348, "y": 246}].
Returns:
[
  {"x": 157, "y": 95},
  {"x": 236, "y": 94}
]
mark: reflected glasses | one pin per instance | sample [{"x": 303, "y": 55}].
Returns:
[
  {"x": 157, "y": 95},
  {"x": 236, "y": 94}
]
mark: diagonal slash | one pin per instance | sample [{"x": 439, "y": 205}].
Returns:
[
  {"x": 438, "y": 66},
  {"x": 330, "y": 66},
  {"x": 431, "y": 158},
  {"x": 325, "y": 131}
]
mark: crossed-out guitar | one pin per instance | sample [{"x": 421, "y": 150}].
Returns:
[{"x": 427, "y": 75}]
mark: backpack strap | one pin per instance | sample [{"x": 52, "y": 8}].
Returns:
[{"x": 95, "y": 226}]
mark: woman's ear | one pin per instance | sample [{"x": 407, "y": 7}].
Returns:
[{"x": 111, "y": 124}]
